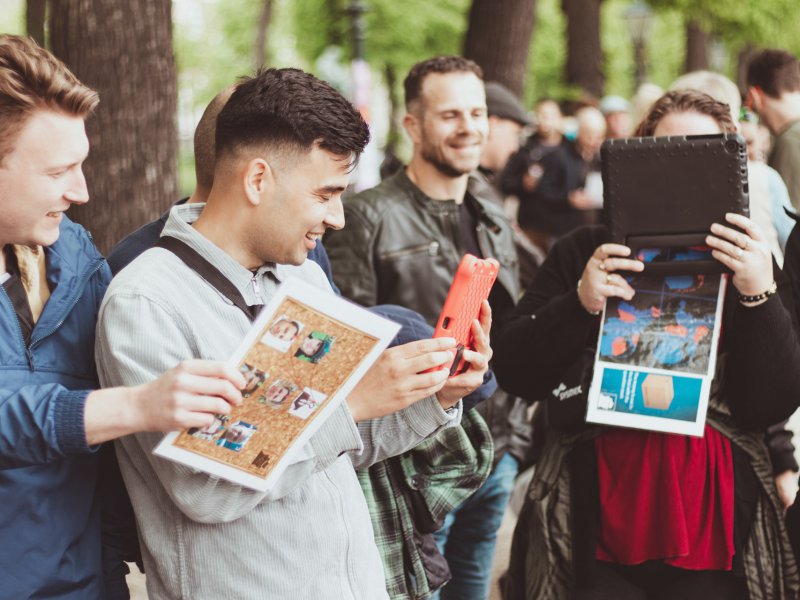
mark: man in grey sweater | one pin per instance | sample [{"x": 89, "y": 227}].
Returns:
[{"x": 286, "y": 143}]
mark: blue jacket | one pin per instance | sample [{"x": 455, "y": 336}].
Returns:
[{"x": 49, "y": 518}]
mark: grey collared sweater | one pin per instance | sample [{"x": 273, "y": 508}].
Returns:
[{"x": 207, "y": 538}]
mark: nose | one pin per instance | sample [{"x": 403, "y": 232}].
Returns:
[
  {"x": 469, "y": 124},
  {"x": 77, "y": 192},
  {"x": 335, "y": 216}
]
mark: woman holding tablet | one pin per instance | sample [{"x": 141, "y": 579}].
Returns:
[{"x": 630, "y": 514}]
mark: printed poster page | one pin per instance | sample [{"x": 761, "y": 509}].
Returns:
[
  {"x": 304, "y": 354},
  {"x": 657, "y": 353}
]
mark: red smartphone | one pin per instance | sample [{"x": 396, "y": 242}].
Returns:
[{"x": 471, "y": 285}]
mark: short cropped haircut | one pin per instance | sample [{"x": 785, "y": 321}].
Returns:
[
  {"x": 32, "y": 79},
  {"x": 438, "y": 64},
  {"x": 289, "y": 111},
  {"x": 683, "y": 101},
  {"x": 775, "y": 72}
]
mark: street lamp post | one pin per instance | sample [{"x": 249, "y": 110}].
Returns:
[{"x": 638, "y": 17}]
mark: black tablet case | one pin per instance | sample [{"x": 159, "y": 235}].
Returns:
[{"x": 666, "y": 192}]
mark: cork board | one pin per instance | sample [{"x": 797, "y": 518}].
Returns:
[{"x": 299, "y": 362}]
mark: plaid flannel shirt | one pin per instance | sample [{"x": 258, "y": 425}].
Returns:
[{"x": 433, "y": 478}]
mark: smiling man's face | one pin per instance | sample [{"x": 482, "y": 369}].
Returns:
[
  {"x": 42, "y": 177},
  {"x": 304, "y": 202},
  {"x": 450, "y": 128}
]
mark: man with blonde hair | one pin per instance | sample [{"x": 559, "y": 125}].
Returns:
[{"x": 52, "y": 417}]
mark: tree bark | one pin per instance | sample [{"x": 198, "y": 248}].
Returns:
[
  {"x": 124, "y": 51},
  {"x": 261, "y": 37},
  {"x": 499, "y": 40},
  {"x": 697, "y": 48},
  {"x": 35, "y": 11},
  {"x": 584, "y": 67},
  {"x": 744, "y": 57}
]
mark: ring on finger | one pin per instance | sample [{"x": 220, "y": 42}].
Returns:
[
  {"x": 602, "y": 265},
  {"x": 739, "y": 252},
  {"x": 608, "y": 278}
]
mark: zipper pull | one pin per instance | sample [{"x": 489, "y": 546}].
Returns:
[
  {"x": 29, "y": 356},
  {"x": 257, "y": 289}
]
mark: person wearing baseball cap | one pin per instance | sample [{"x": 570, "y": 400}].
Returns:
[{"x": 507, "y": 119}]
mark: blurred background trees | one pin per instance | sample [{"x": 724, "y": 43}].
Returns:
[{"x": 570, "y": 50}]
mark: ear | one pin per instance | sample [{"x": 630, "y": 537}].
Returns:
[
  {"x": 413, "y": 127},
  {"x": 754, "y": 98},
  {"x": 258, "y": 179}
]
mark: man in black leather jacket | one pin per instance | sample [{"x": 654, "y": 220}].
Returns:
[{"x": 403, "y": 242}]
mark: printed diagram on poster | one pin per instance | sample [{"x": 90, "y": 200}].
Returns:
[
  {"x": 656, "y": 354},
  {"x": 306, "y": 351}
]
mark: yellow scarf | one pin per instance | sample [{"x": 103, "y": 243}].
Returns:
[{"x": 33, "y": 273}]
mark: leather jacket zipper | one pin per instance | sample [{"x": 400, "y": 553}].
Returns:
[{"x": 431, "y": 248}]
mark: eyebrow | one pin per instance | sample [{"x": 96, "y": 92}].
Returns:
[{"x": 331, "y": 189}]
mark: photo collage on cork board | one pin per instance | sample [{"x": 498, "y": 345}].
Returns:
[{"x": 300, "y": 360}]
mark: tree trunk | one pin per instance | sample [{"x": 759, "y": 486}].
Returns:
[
  {"x": 261, "y": 37},
  {"x": 746, "y": 54},
  {"x": 124, "y": 51},
  {"x": 499, "y": 40},
  {"x": 697, "y": 45},
  {"x": 584, "y": 53},
  {"x": 34, "y": 19}
]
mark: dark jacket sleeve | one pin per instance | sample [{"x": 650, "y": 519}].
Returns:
[
  {"x": 762, "y": 378},
  {"x": 350, "y": 252},
  {"x": 40, "y": 424},
  {"x": 781, "y": 448},
  {"x": 549, "y": 329},
  {"x": 555, "y": 185},
  {"x": 511, "y": 176}
]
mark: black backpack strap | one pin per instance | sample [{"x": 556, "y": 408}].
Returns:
[{"x": 209, "y": 272}]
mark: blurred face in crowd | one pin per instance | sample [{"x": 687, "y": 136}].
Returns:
[
  {"x": 687, "y": 123},
  {"x": 548, "y": 118},
  {"x": 757, "y": 138},
  {"x": 42, "y": 177},
  {"x": 618, "y": 124},
  {"x": 591, "y": 131},
  {"x": 449, "y": 125},
  {"x": 503, "y": 141}
]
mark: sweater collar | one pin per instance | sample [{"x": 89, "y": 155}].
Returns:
[{"x": 179, "y": 225}]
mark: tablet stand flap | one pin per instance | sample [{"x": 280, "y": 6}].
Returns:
[{"x": 678, "y": 254}]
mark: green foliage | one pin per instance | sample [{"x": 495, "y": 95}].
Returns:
[
  {"x": 548, "y": 53},
  {"x": 772, "y": 23},
  {"x": 397, "y": 33},
  {"x": 12, "y": 16}
]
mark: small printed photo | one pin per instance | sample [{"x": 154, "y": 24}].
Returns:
[
  {"x": 261, "y": 461},
  {"x": 236, "y": 436},
  {"x": 278, "y": 393},
  {"x": 306, "y": 403},
  {"x": 209, "y": 432},
  {"x": 314, "y": 347},
  {"x": 282, "y": 333},
  {"x": 254, "y": 379}
]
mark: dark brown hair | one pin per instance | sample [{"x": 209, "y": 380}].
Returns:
[
  {"x": 683, "y": 101},
  {"x": 438, "y": 64},
  {"x": 290, "y": 111},
  {"x": 775, "y": 72}
]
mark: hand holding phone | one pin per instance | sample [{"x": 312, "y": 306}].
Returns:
[{"x": 471, "y": 286}]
